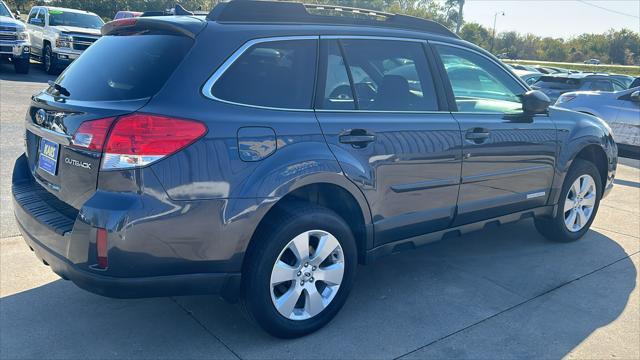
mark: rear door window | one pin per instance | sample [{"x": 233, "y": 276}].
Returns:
[
  {"x": 124, "y": 67},
  {"x": 276, "y": 74}
]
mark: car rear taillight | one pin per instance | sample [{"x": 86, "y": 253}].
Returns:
[
  {"x": 92, "y": 134},
  {"x": 140, "y": 139}
]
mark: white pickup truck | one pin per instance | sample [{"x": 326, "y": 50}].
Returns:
[
  {"x": 14, "y": 40},
  {"x": 60, "y": 35}
]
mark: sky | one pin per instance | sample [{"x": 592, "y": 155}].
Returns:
[{"x": 555, "y": 18}]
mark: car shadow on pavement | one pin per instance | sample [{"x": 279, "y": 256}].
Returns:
[
  {"x": 528, "y": 297},
  {"x": 36, "y": 74}
]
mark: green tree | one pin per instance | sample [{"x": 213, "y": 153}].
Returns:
[{"x": 477, "y": 34}]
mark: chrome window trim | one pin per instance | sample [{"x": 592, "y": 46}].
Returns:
[{"x": 207, "y": 88}]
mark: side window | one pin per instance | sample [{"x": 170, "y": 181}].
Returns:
[
  {"x": 279, "y": 74},
  {"x": 478, "y": 84},
  {"x": 618, "y": 86},
  {"x": 41, "y": 17},
  {"x": 599, "y": 85},
  {"x": 33, "y": 15},
  {"x": 389, "y": 75}
]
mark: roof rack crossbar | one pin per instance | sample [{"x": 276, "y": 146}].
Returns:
[{"x": 287, "y": 12}]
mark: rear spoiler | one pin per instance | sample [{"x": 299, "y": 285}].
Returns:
[{"x": 130, "y": 26}]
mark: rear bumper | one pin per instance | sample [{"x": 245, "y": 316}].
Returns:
[
  {"x": 188, "y": 284},
  {"x": 64, "y": 239}
]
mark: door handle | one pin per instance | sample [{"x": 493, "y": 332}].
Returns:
[
  {"x": 358, "y": 138},
  {"x": 478, "y": 135}
]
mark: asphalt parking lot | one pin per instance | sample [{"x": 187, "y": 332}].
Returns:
[{"x": 499, "y": 293}]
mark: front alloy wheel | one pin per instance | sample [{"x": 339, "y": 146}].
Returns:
[
  {"x": 581, "y": 192},
  {"x": 307, "y": 275},
  {"x": 580, "y": 202}
]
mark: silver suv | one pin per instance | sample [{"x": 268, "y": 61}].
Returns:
[{"x": 60, "y": 35}]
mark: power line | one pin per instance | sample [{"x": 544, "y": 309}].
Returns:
[{"x": 607, "y": 9}]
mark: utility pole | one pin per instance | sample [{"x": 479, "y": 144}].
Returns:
[
  {"x": 460, "y": 17},
  {"x": 493, "y": 37}
]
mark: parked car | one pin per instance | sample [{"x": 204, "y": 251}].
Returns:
[
  {"x": 558, "y": 84},
  {"x": 202, "y": 162},
  {"x": 127, "y": 14},
  {"x": 620, "y": 109},
  {"x": 14, "y": 40},
  {"x": 592, "y": 62},
  {"x": 524, "y": 67},
  {"x": 527, "y": 76},
  {"x": 60, "y": 35},
  {"x": 563, "y": 70},
  {"x": 545, "y": 70}
]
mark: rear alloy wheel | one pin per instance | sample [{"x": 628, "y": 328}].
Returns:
[
  {"x": 299, "y": 271},
  {"x": 580, "y": 198},
  {"x": 307, "y": 275}
]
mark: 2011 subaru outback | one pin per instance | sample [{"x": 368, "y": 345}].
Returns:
[{"x": 263, "y": 152}]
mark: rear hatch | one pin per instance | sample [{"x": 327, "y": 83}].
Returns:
[{"x": 67, "y": 123}]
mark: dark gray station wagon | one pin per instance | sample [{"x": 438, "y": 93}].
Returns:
[{"x": 264, "y": 151}]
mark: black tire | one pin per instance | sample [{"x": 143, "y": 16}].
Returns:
[
  {"x": 21, "y": 65},
  {"x": 554, "y": 228},
  {"x": 290, "y": 221},
  {"x": 49, "y": 61}
]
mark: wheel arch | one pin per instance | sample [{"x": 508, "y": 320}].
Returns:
[{"x": 331, "y": 191}]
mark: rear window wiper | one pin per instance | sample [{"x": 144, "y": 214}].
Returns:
[{"x": 61, "y": 89}]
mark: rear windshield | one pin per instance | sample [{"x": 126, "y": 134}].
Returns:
[
  {"x": 124, "y": 67},
  {"x": 554, "y": 82}
]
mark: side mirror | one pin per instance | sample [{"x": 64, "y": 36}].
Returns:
[
  {"x": 635, "y": 96},
  {"x": 535, "y": 102},
  {"x": 35, "y": 21},
  {"x": 18, "y": 14}
]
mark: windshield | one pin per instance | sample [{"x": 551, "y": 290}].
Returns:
[
  {"x": 61, "y": 18},
  {"x": 4, "y": 11}
]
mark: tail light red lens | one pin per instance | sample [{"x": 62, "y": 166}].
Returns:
[
  {"x": 92, "y": 134},
  {"x": 101, "y": 248},
  {"x": 140, "y": 139}
]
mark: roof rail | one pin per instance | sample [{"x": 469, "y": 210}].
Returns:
[{"x": 287, "y": 12}]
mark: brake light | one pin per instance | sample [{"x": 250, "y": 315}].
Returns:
[
  {"x": 141, "y": 139},
  {"x": 92, "y": 134},
  {"x": 101, "y": 248},
  {"x": 116, "y": 24}
]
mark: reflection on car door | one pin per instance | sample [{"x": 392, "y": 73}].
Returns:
[
  {"x": 391, "y": 138},
  {"x": 508, "y": 157}
]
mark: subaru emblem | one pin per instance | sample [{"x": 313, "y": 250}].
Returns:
[{"x": 41, "y": 116}]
